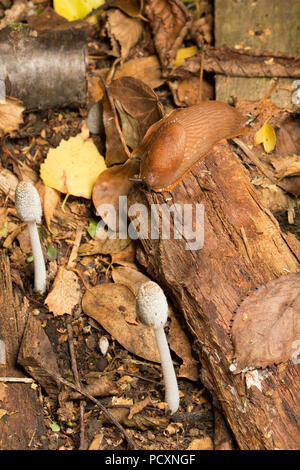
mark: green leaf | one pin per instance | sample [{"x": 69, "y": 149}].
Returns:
[
  {"x": 51, "y": 252},
  {"x": 92, "y": 228},
  {"x": 29, "y": 259},
  {"x": 54, "y": 426}
]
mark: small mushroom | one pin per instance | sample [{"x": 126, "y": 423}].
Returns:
[
  {"x": 152, "y": 309},
  {"x": 29, "y": 209}
]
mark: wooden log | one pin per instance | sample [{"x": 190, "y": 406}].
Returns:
[
  {"x": 21, "y": 415},
  {"x": 243, "y": 248}
]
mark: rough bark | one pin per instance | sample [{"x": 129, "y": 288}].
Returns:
[
  {"x": 21, "y": 415},
  {"x": 243, "y": 248}
]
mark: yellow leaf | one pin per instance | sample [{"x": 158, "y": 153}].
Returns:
[
  {"x": 73, "y": 166},
  {"x": 266, "y": 136},
  {"x": 184, "y": 53},
  {"x": 76, "y": 9}
]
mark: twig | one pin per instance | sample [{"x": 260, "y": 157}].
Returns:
[
  {"x": 24, "y": 380},
  {"x": 77, "y": 381},
  {"x": 59, "y": 379}
]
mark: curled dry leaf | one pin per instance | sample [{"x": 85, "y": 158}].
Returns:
[
  {"x": 125, "y": 257},
  {"x": 266, "y": 327},
  {"x": 170, "y": 22},
  {"x": 65, "y": 294},
  {"x": 109, "y": 305},
  {"x": 146, "y": 69},
  {"x": 109, "y": 186},
  {"x": 50, "y": 198},
  {"x": 101, "y": 387},
  {"x": 138, "y": 100},
  {"x": 103, "y": 247},
  {"x": 124, "y": 32}
]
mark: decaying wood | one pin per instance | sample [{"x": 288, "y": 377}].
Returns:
[
  {"x": 243, "y": 248},
  {"x": 240, "y": 63},
  {"x": 21, "y": 423}
]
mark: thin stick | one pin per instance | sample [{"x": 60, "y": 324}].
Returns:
[
  {"x": 77, "y": 381},
  {"x": 99, "y": 404},
  {"x": 24, "y": 380}
]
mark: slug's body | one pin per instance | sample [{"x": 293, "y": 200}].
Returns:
[{"x": 176, "y": 143}]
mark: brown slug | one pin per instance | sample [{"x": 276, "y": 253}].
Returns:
[{"x": 176, "y": 143}]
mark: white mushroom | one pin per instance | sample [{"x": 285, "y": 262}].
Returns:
[
  {"x": 29, "y": 209},
  {"x": 152, "y": 309}
]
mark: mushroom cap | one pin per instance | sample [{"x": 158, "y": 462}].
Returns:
[
  {"x": 152, "y": 305},
  {"x": 28, "y": 203}
]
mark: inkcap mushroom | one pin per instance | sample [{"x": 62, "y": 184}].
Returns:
[
  {"x": 152, "y": 309},
  {"x": 29, "y": 209}
]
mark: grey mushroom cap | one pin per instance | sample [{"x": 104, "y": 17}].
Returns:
[
  {"x": 28, "y": 203},
  {"x": 152, "y": 305}
]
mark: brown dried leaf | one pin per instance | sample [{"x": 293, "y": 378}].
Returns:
[
  {"x": 109, "y": 305},
  {"x": 123, "y": 32},
  {"x": 65, "y": 294},
  {"x": 103, "y": 247},
  {"x": 146, "y": 69},
  {"x": 170, "y": 22},
  {"x": 115, "y": 151},
  {"x": 11, "y": 115},
  {"x": 139, "y": 406},
  {"x": 266, "y": 326},
  {"x": 181, "y": 345},
  {"x": 138, "y": 100},
  {"x": 125, "y": 257},
  {"x": 102, "y": 387},
  {"x": 130, "y": 7},
  {"x": 110, "y": 185},
  {"x": 50, "y": 198},
  {"x": 177, "y": 338}
]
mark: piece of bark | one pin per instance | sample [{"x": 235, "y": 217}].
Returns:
[
  {"x": 44, "y": 69},
  {"x": 37, "y": 357},
  {"x": 240, "y": 63},
  {"x": 243, "y": 248},
  {"x": 22, "y": 423}
]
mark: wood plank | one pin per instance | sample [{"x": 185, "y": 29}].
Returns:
[{"x": 262, "y": 25}]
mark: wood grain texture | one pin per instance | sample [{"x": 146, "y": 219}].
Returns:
[
  {"x": 22, "y": 422},
  {"x": 243, "y": 248}
]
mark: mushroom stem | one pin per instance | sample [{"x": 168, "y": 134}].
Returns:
[
  {"x": 38, "y": 259},
  {"x": 171, "y": 387}
]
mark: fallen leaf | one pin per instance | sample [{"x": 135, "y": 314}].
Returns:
[
  {"x": 177, "y": 338},
  {"x": 73, "y": 166},
  {"x": 103, "y": 247},
  {"x": 101, "y": 387},
  {"x": 109, "y": 304},
  {"x": 266, "y": 326},
  {"x": 205, "y": 443},
  {"x": 96, "y": 442},
  {"x": 138, "y": 100},
  {"x": 130, "y": 7},
  {"x": 146, "y": 69},
  {"x": 184, "y": 53},
  {"x": 109, "y": 186},
  {"x": 11, "y": 115},
  {"x": 124, "y": 32},
  {"x": 139, "y": 406},
  {"x": 50, "y": 198},
  {"x": 76, "y": 9},
  {"x": 126, "y": 257},
  {"x": 65, "y": 293},
  {"x": 266, "y": 136}
]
